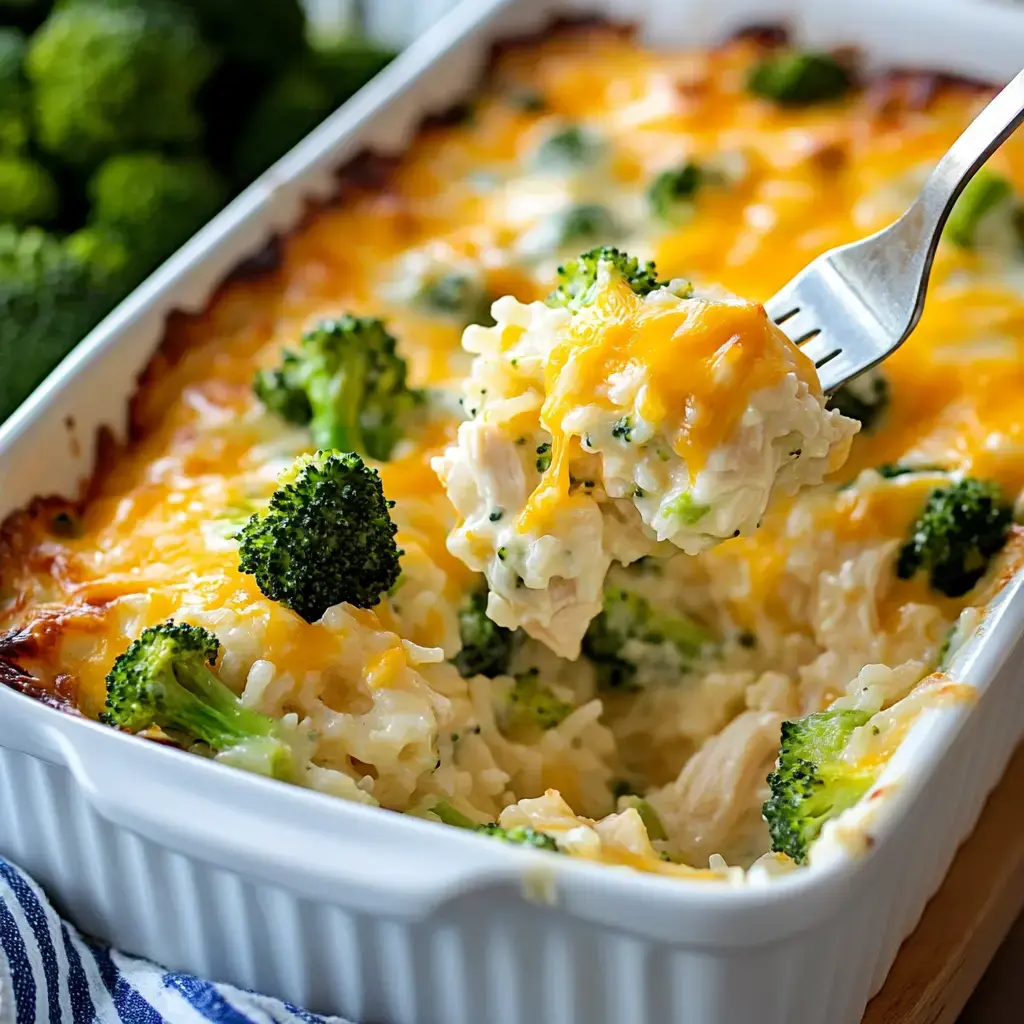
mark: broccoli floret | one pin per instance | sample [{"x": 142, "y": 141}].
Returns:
[
  {"x": 811, "y": 783},
  {"x": 577, "y": 279},
  {"x": 154, "y": 202},
  {"x": 892, "y": 470},
  {"x": 451, "y": 816},
  {"x": 265, "y": 34},
  {"x": 291, "y": 107},
  {"x": 14, "y": 97},
  {"x": 345, "y": 65},
  {"x": 799, "y": 79},
  {"x": 671, "y": 193},
  {"x": 326, "y": 537},
  {"x": 985, "y": 193},
  {"x": 28, "y": 193},
  {"x": 566, "y": 150},
  {"x": 354, "y": 383},
  {"x": 521, "y": 834},
  {"x": 648, "y": 815},
  {"x": 531, "y": 704},
  {"x": 866, "y": 398},
  {"x": 24, "y": 14},
  {"x": 51, "y": 296},
  {"x": 629, "y": 638},
  {"x": 107, "y": 255},
  {"x": 457, "y": 296},
  {"x": 961, "y": 528},
  {"x": 166, "y": 679},
  {"x": 570, "y": 228},
  {"x": 280, "y": 390},
  {"x": 114, "y": 76},
  {"x": 487, "y": 648},
  {"x": 293, "y": 104}
]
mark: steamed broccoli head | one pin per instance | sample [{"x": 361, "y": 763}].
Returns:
[
  {"x": 532, "y": 705},
  {"x": 629, "y": 638},
  {"x": 166, "y": 679},
  {"x": 14, "y": 97},
  {"x": 811, "y": 783},
  {"x": 487, "y": 648},
  {"x": 520, "y": 834},
  {"x": 154, "y": 202},
  {"x": 356, "y": 397},
  {"x": 577, "y": 279},
  {"x": 986, "y": 194},
  {"x": 671, "y": 194},
  {"x": 109, "y": 77},
  {"x": 574, "y": 227},
  {"x": 796, "y": 79},
  {"x": 51, "y": 296},
  {"x": 568, "y": 149},
  {"x": 444, "y": 286},
  {"x": 865, "y": 398},
  {"x": 326, "y": 537},
  {"x": 961, "y": 528},
  {"x": 28, "y": 193}
]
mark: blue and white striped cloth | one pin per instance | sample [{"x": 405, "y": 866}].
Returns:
[{"x": 51, "y": 974}]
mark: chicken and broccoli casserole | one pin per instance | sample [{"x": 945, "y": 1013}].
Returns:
[{"x": 499, "y": 501}]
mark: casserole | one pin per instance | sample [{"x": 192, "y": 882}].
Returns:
[{"x": 696, "y": 918}]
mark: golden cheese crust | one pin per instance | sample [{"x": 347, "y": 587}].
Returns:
[{"x": 78, "y": 580}]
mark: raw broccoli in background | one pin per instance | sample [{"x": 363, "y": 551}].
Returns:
[
  {"x": 295, "y": 102},
  {"x": 124, "y": 126},
  {"x": 958, "y": 532},
  {"x": 14, "y": 96},
  {"x": 290, "y": 108},
  {"x": 28, "y": 192},
  {"x": 51, "y": 294},
  {"x": 110, "y": 76},
  {"x": 354, "y": 384},
  {"x": 326, "y": 537},
  {"x": 154, "y": 202},
  {"x": 792, "y": 78},
  {"x": 578, "y": 277},
  {"x": 265, "y": 34},
  {"x": 811, "y": 782},
  {"x": 629, "y": 636},
  {"x": 487, "y": 648},
  {"x": 166, "y": 680}
]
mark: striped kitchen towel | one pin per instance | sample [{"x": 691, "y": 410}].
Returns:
[{"x": 51, "y": 974}]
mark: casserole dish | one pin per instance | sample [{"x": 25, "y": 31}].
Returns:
[{"x": 233, "y": 855}]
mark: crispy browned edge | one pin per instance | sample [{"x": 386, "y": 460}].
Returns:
[{"x": 367, "y": 172}]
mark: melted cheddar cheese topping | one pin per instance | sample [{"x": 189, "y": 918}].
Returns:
[{"x": 146, "y": 544}]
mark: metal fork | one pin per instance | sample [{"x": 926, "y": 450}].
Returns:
[{"x": 856, "y": 304}]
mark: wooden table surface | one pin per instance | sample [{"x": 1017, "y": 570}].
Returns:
[{"x": 963, "y": 926}]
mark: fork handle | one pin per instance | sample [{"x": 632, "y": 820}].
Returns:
[{"x": 982, "y": 137}]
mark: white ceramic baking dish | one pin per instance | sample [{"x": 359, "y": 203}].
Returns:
[{"x": 380, "y": 917}]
